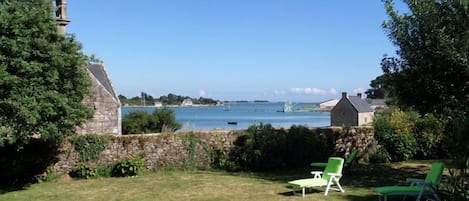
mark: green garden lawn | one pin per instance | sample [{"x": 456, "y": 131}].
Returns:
[{"x": 216, "y": 185}]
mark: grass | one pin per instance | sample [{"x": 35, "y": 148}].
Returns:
[{"x": 217, "y": 185}]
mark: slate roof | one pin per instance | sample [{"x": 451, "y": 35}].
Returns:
[
  {"x": 360, "y": 104},
  {"x": 98, "y": 71}
]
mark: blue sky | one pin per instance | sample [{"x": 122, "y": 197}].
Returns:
[{"x": 277, "y": 50}]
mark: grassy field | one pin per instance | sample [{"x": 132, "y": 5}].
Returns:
[{"x": 217, "y": 185}]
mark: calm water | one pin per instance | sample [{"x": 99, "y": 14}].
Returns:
[{"x": 244, "y": 114}]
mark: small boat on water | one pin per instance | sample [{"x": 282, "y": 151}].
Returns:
[{"x": 233, "y": 123}]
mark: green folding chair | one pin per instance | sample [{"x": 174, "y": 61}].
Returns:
[
  {"x": 329, "y": 177},
  {"x": 417, "y": 187}
]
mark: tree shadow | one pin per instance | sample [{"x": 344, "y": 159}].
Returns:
[
  {"x": 365, "y": 176},
  {"x": 20, "y": 166}
]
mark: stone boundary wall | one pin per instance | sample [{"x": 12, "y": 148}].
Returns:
[{"x": 175, "y": 150}]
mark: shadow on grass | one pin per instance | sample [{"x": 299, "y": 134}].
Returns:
[{"x": 360, "y": 176}]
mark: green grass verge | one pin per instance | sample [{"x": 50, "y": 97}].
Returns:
[{"x": 217, "y": 185}]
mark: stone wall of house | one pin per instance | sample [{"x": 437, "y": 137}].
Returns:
[
  {"x": 344, "y": 114},
  {"x": 365, "y": 118},
  {"x": 107, "y": 112},
  {"x": 177, "y": 150}
]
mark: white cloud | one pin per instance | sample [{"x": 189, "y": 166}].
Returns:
[
  {"x": 279, "y": 92},
  {"x": 308, "y": 91},
  {"x": 358, "y": 90},
  {"x": 333, "y": 91},
  {"x": 202, "y": 93}
]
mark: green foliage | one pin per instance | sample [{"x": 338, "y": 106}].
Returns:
[
  {"x": 140, "y": 122},
  {"x": 262, "y": 148},
  {"x": 431, "y": 69},
  {"x": 88, "y": 147},
  {"x": 47, "y": 176},
  {"x": 394, "y": 133},
  {"x": 43, "y": 77},
  {"x": 84, "y": 171},
  {"x": 191, "y": 143},
  {"x": 429, "y": 132},
  {"x": 457, "y": 142},
  {"x": 223, "y": 159},
  {"x": 128, "y": 166},
  {"x": 380, "y": 156},
  {"x": 265, "y": 148},
  {"x": 303, "y": 145}
]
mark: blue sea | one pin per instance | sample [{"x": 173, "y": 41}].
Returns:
[{"x": 243, "y": 115}]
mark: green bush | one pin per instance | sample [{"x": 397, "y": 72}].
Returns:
[
  {"x": 400, "y": 146},
  {"x": 88, "y": 147},
  {"x": 265, "y": 148},
  {"x": 84, "y": 171},
  {"x": 141, "y": 122},
  {"x": 262, "y": 148},
  {"x": 128, "y": 166},
  {"x": 104, "y": 170},
  {"x": 223, "y": 159},
  {"x": 304, "y": 146},
  {"x": 406, "y": 135},
  {"x": 429, "y": 132},
  {"x": 380, "y": 156}
]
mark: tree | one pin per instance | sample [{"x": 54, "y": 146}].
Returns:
[
  {"x": 141, "y": 122},
  {"x": 431, "y": 70},
  {"x": 377, "y": 90},
  {"x": 43, "y": 77}
]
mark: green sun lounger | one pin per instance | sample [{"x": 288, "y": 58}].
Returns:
[
  {"x": 417, "y": 187},
  {"x": 331, "y": 176}
]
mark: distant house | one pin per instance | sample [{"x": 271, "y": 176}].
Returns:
[
  {"x": 376, "y": 103},
  {"x": 105, "y": 103},
  {"x": 328, "y": 105},
  {"x": 187, "y": 102},
  {"x": 351, "y": 111}
]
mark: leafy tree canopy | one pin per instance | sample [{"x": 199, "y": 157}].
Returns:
[
  {"x": 431, "y": 70},
  {"x": 43, "y": 76}
]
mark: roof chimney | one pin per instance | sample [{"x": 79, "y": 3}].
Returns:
[{"x": 344, "y": 94}]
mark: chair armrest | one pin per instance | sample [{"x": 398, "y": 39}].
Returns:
[
  {"x": 317, "y": 174},
  {"x": 318, "y": 164}
]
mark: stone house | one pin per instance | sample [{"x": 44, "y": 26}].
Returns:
[
  {"x": 105, "y": 102},
  {"x": 351, "y": 111}
]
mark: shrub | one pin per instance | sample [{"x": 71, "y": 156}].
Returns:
[
  {"x": 380, "y": 156},
  {"x": 223, "y": 159},
  {"x": 128, "y": 166},
  {"x": 304, "y": 146},
  {"x": 262, "y": 148},
  {"x": 429, "y": 134},
  {"x": 104, "y": 170},
  {"x": 141, "y": 122},
  {"x": 265, "y": 148},
  {"x": 84, "y": 171},
  {"x": 395, "y": 131},
  {"x": 88, "y": 147}
]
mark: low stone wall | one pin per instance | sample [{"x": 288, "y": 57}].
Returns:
[{"x": 179, "y": 149}]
